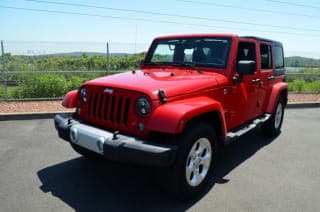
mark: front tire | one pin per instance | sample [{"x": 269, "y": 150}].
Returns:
[
  {"x": 273, "y": 126},
  {"x": 193, "y": 168}
]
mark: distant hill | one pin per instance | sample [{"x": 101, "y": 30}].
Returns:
[{"x": 297, "y": 61}]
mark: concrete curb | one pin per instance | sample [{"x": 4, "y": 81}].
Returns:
[
  {"x": 48, "y": 115},
  {"x": 30, "y": 116},
  {"x": 295, "y": 105}
]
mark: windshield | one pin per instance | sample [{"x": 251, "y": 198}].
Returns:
[{"x": 209, "y": 52}]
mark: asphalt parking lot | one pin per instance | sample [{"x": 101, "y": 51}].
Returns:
[{"x": 39, "y": 172}]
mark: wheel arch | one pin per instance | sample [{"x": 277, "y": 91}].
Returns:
[
  {"x": 174, "y": 117},
  {"x": 70, "y": 99},
  {"x": 278, "y": 90},
  {"x": 212, "y": 118}
]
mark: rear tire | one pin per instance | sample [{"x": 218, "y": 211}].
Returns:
[
  {"x": 273, "y": 126},
  {"x": 193, "y": 167}
]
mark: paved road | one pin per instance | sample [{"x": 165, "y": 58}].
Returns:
[{"x": 39, "y": 172}]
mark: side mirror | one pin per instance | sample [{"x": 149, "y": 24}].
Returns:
[{"x": 246, "y": 67}]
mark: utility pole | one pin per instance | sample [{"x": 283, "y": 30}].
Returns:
[
  {"x": 108, "y": 59},
  {"x": 135, "y": 39},
  {"x": 4, "y": 78}
]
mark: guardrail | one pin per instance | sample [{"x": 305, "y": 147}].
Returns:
[{"x": 309, "y": 77}]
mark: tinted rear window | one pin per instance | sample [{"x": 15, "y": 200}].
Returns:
[{"x": 278, "y": 60}]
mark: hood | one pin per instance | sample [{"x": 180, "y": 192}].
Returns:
[{"x": 173, "y": 82}]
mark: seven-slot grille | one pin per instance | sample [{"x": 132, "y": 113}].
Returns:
[{"x": 110, "y": 108}]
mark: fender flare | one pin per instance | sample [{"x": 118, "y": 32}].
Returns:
[
  {"x": 277, "y": 89},
  {"x": 70, "y": 99},
  {"x": 172, "y": 117}
]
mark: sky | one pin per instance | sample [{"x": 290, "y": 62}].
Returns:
[{"x": 47, "y": 26}]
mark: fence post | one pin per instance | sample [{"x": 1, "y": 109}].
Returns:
[
  {"x": 108, "y": 59},
  {"x": 4, "y": 77}
]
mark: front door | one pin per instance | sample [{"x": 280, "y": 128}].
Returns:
[{"x": 244, "y": 94}]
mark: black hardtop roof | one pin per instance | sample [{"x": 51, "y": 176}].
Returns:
[{"x": 263, "y": 39}]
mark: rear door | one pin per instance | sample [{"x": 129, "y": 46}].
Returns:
[{"x": 265, "y": 74}]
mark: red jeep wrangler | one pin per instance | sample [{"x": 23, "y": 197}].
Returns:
[{"x": 193, "y": 95}]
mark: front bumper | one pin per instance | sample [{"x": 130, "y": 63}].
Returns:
[{"x": 114, "y": 146}]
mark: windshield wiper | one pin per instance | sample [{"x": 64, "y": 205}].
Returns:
[
  {"x": 189, "y": 65},
  {"x": 160, "y": 65}
]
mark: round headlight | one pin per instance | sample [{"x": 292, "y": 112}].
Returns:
[
  {"x": 83, "y": 95},
  {"x": 143, "y": 106}
]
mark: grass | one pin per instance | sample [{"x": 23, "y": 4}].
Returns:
[{"x": 302, "y": 86}]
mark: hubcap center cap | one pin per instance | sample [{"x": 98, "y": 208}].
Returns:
[{"x": 197, "y": 162}]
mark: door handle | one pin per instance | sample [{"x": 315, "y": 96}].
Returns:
[
  {"x": 256, "y": 81},
  {"x": 271, "y": 78}
]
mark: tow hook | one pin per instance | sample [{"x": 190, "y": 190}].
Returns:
[{"x": 115, "y": 135}]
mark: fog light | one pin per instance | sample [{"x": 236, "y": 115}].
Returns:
[
  {"x": 141, "y": 126},
  {"x": 78, "y": 111}
]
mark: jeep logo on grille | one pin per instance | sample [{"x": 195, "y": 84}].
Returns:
[{"x": 108, "y": 90}]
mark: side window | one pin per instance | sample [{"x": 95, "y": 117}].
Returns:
[
  {"x": 246, "y": 51},
  {"x": 266, "y": 59},
  {"x": 278, "y": 57},
  {"x": 278, "y": 60}
]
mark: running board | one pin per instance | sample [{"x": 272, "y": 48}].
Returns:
[{"x": 233, "y": 135}]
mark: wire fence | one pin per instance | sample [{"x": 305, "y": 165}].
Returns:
[
  {"x": 47, "y": 70},
  {"x": 45, "y": 85}
]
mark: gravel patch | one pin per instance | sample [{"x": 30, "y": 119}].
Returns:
[
  {"x": 293, "y": 97},
  {"x": 32, "y": 106}
]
